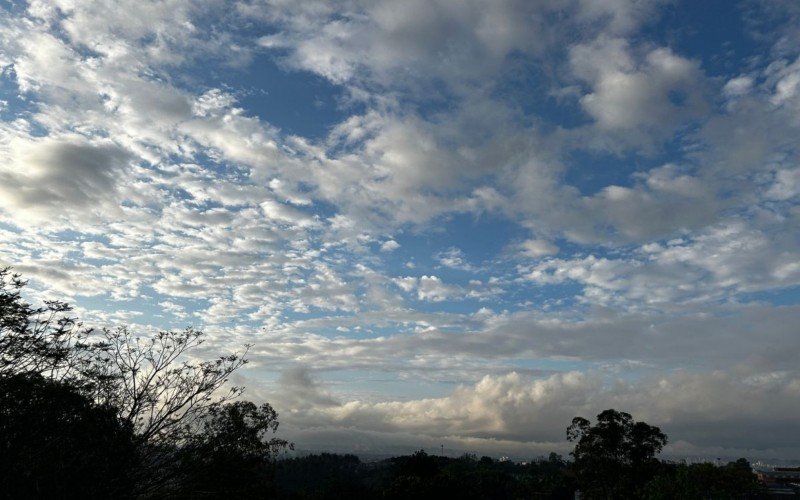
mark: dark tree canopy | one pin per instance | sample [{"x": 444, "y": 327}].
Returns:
[
  {"x": 705, "y": 480},
  {"x": 57, "y": 443},
  {"x": 233, "y": 451},
  {"x": 45, "y": 340},
  {"x": 114, "y": 398},
  {"x": 614, "y": 458},
  {"x": 243, "y": 429}
]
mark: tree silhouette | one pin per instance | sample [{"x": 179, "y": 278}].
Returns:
[
  {"x": 234, "y": 451},
  {"x": 44, "y": 340},
  {"x": 57, "y": 443},
  {"x": 616, "y": 457},
  {"x": 146, "y": 388}
]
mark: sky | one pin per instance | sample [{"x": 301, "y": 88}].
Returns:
[{"x": 455, "y": 223}]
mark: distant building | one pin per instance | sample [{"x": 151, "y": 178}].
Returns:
[
  {"x": 778, "y": 474},
  {"x": 780, "y": 481}
]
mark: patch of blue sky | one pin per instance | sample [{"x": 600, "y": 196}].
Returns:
[
  {"x": 73, "y": 235},
  {"x": 713, "y": 31},
  {"x": 95, "y": 302},
  {"x": 13, "y": 7},
  {"x": 14, "y": 105},
  {"x": 206, "y": 160},
  {"x": 4, "y": 226},
  {"x": 480, "y": 238},
  {"x": 149, "y": 304},
  {"x": 571, "y": 249},
  {"x": 321, "y": 208},
  {"x": 590, "y": 172},
  {"x": 528, "y": 90},
  {"x": 139, "y": 311},
  {"x": 432, "y": 103},
  {"x": 297, "y": 102},
  {"x": 782, "y": 297},
  {"x": 680, "y": 147},
  {"x": 452, "y": 306},
  {"x": 414, "y": 248}
]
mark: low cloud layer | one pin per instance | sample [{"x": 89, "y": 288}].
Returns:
[{"x": 703, "y": 412}]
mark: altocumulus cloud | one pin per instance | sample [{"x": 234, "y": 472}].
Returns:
[{"x": 438, "y": 222}]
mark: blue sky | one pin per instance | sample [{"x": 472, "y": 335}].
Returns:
[{"x": 437, "y": 221}]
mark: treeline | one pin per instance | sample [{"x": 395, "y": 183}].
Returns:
[
  {"x": 421, "y": 475},
  {"x": 108, "y": 414}
]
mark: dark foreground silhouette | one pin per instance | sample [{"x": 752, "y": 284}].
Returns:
[{"x": 106, "y": 414}]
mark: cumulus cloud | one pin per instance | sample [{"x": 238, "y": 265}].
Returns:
[
  {"x": 389, "y": 246},
  {"x": 537, "y": 248},
  {"x": 656, "y": 93},
  {"x": 722, "y": 262},
  {"x": 533, "y": 413}
]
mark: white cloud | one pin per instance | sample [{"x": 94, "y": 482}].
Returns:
[
  {"x": 454, "y": 258},
  {"x": 389, "y": 246},
  {"x": 433, "y": 289},
  {"x": 786, "y": 186},
  {"x": 655, "y": 94},
  {"x": 537, "y": 248},
  {"x": 698, "y": 411},
  {"x": 738, "y": 86}
]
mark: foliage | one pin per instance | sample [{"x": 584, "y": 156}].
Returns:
[
  {"x": 147, "y": 389},
  {"x": 616, "y": 457},
  {"x": 420, "y": 475},
  {"x": 44, "y": 340},
  {"x": 326, "y": 476},
  {"x": 704, "y": 480},
  {"x": 241, "y": 429},
  {"x": 162, "y": 396},
  {"x": 55, "y": 440},
  {"x": 233, "y": 453}
]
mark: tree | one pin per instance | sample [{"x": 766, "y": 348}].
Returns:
[
  {"x": 234, "y": 450},
  {"x": 705, "y": 480},
  {"x": 44, "y": 340},
  {"x": 616, "y": 457},
  {"x": 158, "y": 392},
  {"x": 161, "y": 395},
  {"x": 149, "y": 384},
  {"x": 55, "y": 442}
]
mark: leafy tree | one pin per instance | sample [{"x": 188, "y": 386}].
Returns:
[
  {"x": 241, "y": 429},
  {"x": 325, "y": 476},
  {"x": 415, "y": 475},
  {"x": 157, "y": 391},
  {"x": 616, "y": 457},
  {"x": 705, "y": 480},
  {"x": 44, "y": 340},
  {"x": 57, "y": 443},
  {"x": 163, "y": 400},
  {"x": 233, "y": 453}
]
